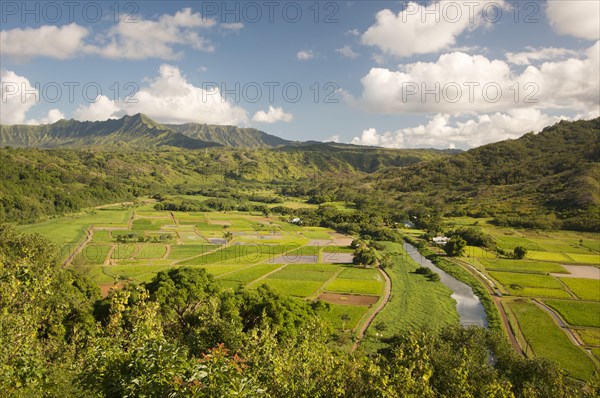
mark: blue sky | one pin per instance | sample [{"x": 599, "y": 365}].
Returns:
[{"x": 394, "y": 74}]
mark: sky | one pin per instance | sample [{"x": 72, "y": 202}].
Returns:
[{"x": 426, "y": 74}]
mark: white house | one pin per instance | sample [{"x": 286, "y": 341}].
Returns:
[
  {"x": 296, "y": 220},
  {"x": 440, "y": 240}
]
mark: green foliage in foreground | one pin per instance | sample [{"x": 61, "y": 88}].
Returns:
[{"x": 183, "y": 335}]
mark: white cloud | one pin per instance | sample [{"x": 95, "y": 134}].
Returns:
[
  {"x": 140, "y": 40},
  {"x": 53, "y": 115},
  {"x": 170, "y": 98},
  {"x": 233, "y": 26},
  {"x": 333, "y": 138},
  {"x": 101, "y": 109},
  {"x": 541, "y": 54},
  {"x": 46, "y": 41},
  {"x": 353, "y": 32},
  {"x": 443, "y": 132},
  {"x": 579, "y": 18},
  {"x": 422, "y": 29},
  {"x": 460, "y": 83},
  {"x": 15, "y": 103},
  {"x": 154, "y": 39},
  {"x": 305, "y": 55},
  {"x": 273, "y": 115},
  {"x": 347, "y": 52}
]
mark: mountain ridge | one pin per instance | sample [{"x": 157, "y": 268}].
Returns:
[{"x": 136, "y": 131}]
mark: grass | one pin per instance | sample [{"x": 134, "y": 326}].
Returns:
[
  {"x": 529, "y": 266},
  {"x": 124, "y": 251},
  {"x": 526, "y": 280},
  {"x": 91, "y": 255},
  {"x": 180, "y": 252},
  {"x": 221, "y": 269},
  {"x": 585, "y": 289},
  {"x": 355, "y": 286},
  {"x": 151, "y": 251},
  {"x": 577, "y": 313},
  {"x": 590, "y": 337},
  {"x": 101, "y": 236},
  {"x": 250, "y": 274},
  {"x": 548, "y": 256},
  {"x": 538, "y": 292},
  {"x": 301, "y": 274},
  {"x": 361, "y": 273},
  {"x": 588, "y": 259},
  {"x": 141, "y": 273},
  {"x": 336, "y": 311},
  {"x": 548, "y": 341},
  {"x": 299, "y": 288},
  {"x": 316, "y": 233},
  {"x": 415, "y": 302}
]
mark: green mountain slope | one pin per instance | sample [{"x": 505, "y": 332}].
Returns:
[
  {"x": 138, "y": 131},
  {"x": 229, "y": 135},
  {"x": 550, "y": 179}
]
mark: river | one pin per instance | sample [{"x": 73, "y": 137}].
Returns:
[{"x": 470, "y": 310}]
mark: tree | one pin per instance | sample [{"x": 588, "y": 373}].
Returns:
[
  {"x": 520, "y": 252},
  {"x": 364, "y": 256},
  {"x": 455, "y": 246}
]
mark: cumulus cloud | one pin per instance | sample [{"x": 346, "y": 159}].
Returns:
[
  {"x": 232, "y": 26},
  {"x": 305, "y": 55},
  {"x": 347, "y": 52},
  {"x": 422, "y": 29},
  {"x": 46, "y": 41},
  {"x": 461, "y": 83},
  {"x": 441, "y": 131},
  {"x": 532, "y": 55},
  {"x": 154, "y": 39},
  {"x": 170, "y": 98},
  {"x": 140, "y": 40},
  {"x": 579, "y": 18},
  {"x": 273, "y": 115},
  {"x": 15, "y": 102},
  {"x": 333, "y": 138},
  {"x": 53, "y": 116},
  {"x": 101, "y": 109}
]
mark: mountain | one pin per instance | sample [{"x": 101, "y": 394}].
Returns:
[
  {"x": 229, "y": 135},
  {"x": 137, "y": 131},
  {"x": 545, "y": 180}
]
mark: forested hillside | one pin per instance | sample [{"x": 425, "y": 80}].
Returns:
[
  {"x": 36, "y": 183},
  {"x": 545, "y": 180}
]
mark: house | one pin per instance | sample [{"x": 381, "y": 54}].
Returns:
[
  {"x": 440, "y": 240},
  {"x": 408, "y": 224},
  {"x": 296, "y": 220}
]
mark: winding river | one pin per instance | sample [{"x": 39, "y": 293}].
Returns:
[{"x": 470, "y": 310}]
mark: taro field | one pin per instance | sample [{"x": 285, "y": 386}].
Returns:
[
  {"x": 118, "y": 245},
  {"x": 552, "y": 296}
]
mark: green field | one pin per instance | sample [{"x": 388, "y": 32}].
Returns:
[
  {"x": 338, "y": 312},
  {"x": 415, "y": 301},
  {"x": 590, "y": 337},
  {"x": 526, "y": 280},
  {"x": 355, "y": 286},
  {"x": 529, "y": 266},
  {"x": 548, "y": 341},
  {"x": 577, "y": 313},
  {"x": 585, "y": 289},
  {"x": 298, "y": 288}
]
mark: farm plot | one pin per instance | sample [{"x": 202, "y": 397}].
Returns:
[
  {"x": 344, "y": 317},
  {"x": 249, "y": 274},
  {"x": 528, "y": 266},
  {"x": 151, "y": 251},
  {"x": 577, "y": 313},
  {"x": 355, "y": 286},
  {"x": 181, "y": 252},
  {"x": 585, "y": 289},
  {"x": 548, "y": 341}
]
